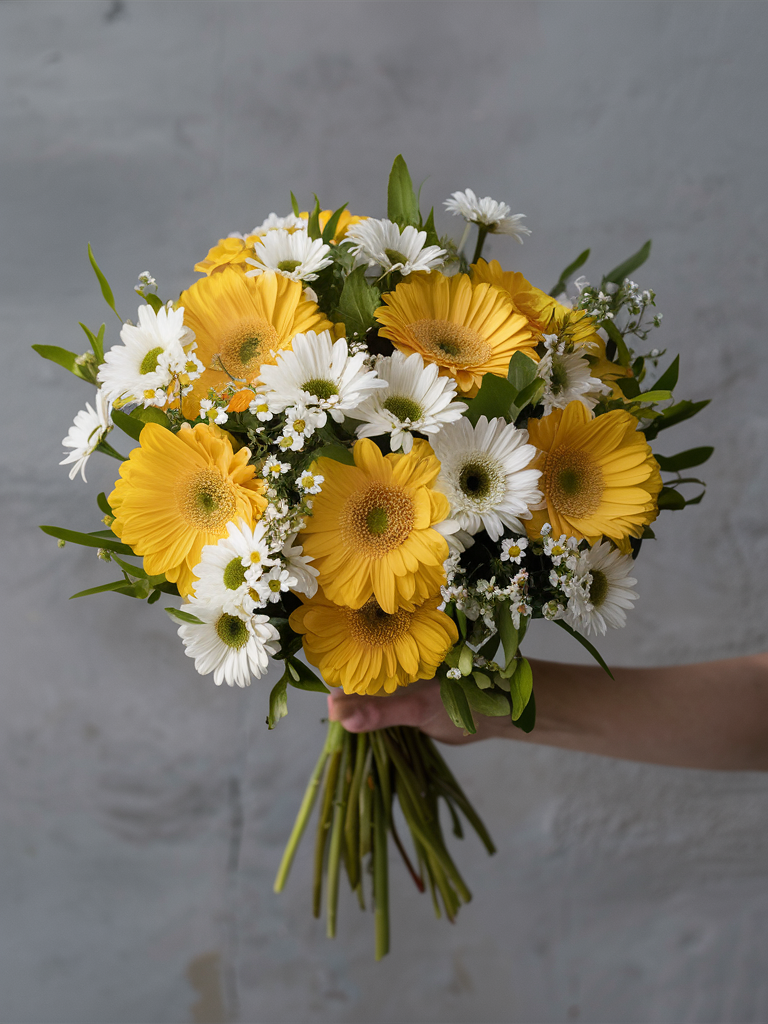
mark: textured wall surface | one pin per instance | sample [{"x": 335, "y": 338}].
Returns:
[{"x": 142, "y": 811}]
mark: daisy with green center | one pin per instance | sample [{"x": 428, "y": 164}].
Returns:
[
  {"x": 213, "y": 412},
  {"x": 485, "y": 475},
  {"x": 319, "y": 373},
  {"x": 90, "y": 427},
  {"x": 291, "y": 253},
  {"x": 382, "y": 243},
  {"x": 272, "y": 585},
  {"x": 513, "y": 549},
  {"x": 232, "y": 647},
  {"x": 568, "y": 378},
  {"x": 228, "y": 570},
  {"x": 415, "y": 399},
  {"x": 155, "y": 361},
  {"x": 601, "y": 590}
]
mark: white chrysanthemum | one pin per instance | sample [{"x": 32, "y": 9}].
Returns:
[
  {"x": 152, "y": 360},
  {"x": 568, "y": 379},
  {"x": 513, "y": 549},
  {"x": 382, "y": 243},
  {"x": 275, "y": 223},
  {"x": 416, "y": 398},
  {"x": 299, "y": 567},
  {"x": 232, "y": 647},
  {"x": 228, "y": 569},
  {"x": 320, "y": 373},
  {"x": 292, "y": 254},
  {"x": 90, "y": 426},
  {"x": 601, "y": 590},
  {"x": 274, "y": 583},
  {"x": 274, "y": 468},
  {"x": 484, "y": 474},
  {"x": 488, "y": 213}
]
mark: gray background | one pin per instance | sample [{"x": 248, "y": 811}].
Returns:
[{"x": 143, "y": 810}]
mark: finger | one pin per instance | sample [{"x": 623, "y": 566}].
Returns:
[{"x": 358, "y": 713}]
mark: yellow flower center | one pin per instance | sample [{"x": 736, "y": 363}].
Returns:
[
  {"x": 573, "y": 482},
  {"x": 246, "y": 344},
  {"x": 376, "y": 520},
  {"x": 451, "y": 344},
  {"x": 375, "y": 628},
  {"x": 207, "y": 502}
]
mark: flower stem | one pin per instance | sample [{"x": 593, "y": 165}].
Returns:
[
  {"x": 482, "y": 232},
  {"x": 380, "y": 877},
  {"x": 337, "y": 831}
]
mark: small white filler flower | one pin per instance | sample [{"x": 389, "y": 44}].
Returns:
[
  {"x": 601, "y": 590},
  {"x": 485, "y": 476},
  {"x": 382, "y": 243},
  {"x": 232, "y": 647},
  {"x": 292, "y": 254},
  {"x": 90, "y": 427},
  {"x": 416, "y": 399},
  {"x": 489, "y": 214}
]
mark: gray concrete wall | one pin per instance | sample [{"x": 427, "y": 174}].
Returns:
[{"x": 142, "y": 811}]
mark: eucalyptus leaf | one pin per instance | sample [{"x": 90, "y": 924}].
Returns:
[
  {"x": 580, "y": 260},
  {"x": 618, "y": 274},
  {"x": 106, "y": 291},
  {"x": 485, "y": 702},
  {"x": 586, "y": 645},
  {"x": 685, "y": 460},
  {"x": 87, "y": 539},
  {"x": 455, "y": 702},
  {"x": 402, "y": 203}
]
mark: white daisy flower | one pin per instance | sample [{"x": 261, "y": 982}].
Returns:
[
  {"x": 415, "y": 398},
  {"x": 232, "y": 647},
  {"x": 277, "y": 581},
  {"x": 259, "y": 408},
  {"x": 212, "y": 412},
  {"x": 303, "y": 420},
  {"x": 488, "y": 213},
  {"x": 382, "y": 243},
  {"x": 568, "y": 379},
  {"x": 310, "y": 483},
  {"x": 485, "y": 476},
  {"x": 601, "y": 591},
  {"x": 561, "y": 549},
  {"x": 275, "y": 223},
  {"x": 149, "y": 363},
  {"x": 299, "y": 567},
  {"x": 292, "y": 254},
  {"x": 290, "y": 442},
  {"x": 319, "y": 373},
  {"x": 88, "y": 429},
  {"x": 513, "y": 549},
  {"x": 273, "y": 467},
  {"x": 458, "y": 540},
  {"x": 227, "y": 569}
]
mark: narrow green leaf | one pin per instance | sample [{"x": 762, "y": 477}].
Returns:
[
  {"x": 295, "y": 205},
  {"x": 278, "y": 702},
  {"x": 527, "y": 720},
  {"x": 333, "y": 222},
  {"x": 629, "y": 387},
  {"x": 154, "y": 301},
  {"x": 103, "y": 504},
  {"x": 668, "y": 379},
  {"x": 685, "y": 460},
  {"x": 585, "y": 644},
  {"x": 106, "y": 291},
  {"x": 429, "y": 227},
  {"x": 128, "y": 424},
  {"x": 313, "y": 224},
  {"x": 530, "y": 395},
  {"x": 522, "y": 371},
  {"x": 119, "y": 585},
  {"x": 580, "y": 260},
  {"x": 673, "y": 415},
  {"x": 618, "y": 339},
  {"x": 520, "y": 687},
  {"x": 87, "y": 540},
  {"x": 357, "y": 304},
  {"x": 61, "y": 357},
  {"x": 508, "y": 634},
  {"x": 656, "y": 395},
  {"x": 455, "y": 702},
  {"x": 671, "y": 499},
  {"x": 617, "y": 275},
  {"x": 106, "y": 449},
  {"x": 135, "y": 570},
  {"x": 336, "y": 452},
  {"x": 402, "y": 204},
  {"x": 485, "y": 702},
  {"x": 177, "y": 613},
  {"x": 303, "y": 678},
  {"x": 96, "y": 341},
  {"x": 494, "y": 398}
]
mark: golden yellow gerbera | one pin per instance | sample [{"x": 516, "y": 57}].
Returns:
[
  {"x": 467, "y": 329},
  {"x": 366, "y": 650},
  {"x": 599, "y": 476},
  {"x": 178, "y": 492},
  {"x": 228, "y": 252},
  {"x": 371, "y": 529},
  {"x": 242, "y": 320}
]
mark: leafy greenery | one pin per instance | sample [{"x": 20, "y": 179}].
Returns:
[{"x": 402, "y": 203}]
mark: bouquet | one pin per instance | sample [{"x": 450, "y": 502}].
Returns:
[{"x": 352, "y": 440}]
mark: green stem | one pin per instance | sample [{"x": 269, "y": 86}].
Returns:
[
  {"x": 482, "y": 233},
  {"x": 324, "y": 824},
  {"x": 337, "y": 831},
  {"x": 352, "y": 821},
  {"x": 380, "y": 877}
]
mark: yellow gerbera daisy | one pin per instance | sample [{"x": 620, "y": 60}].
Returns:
[
  {"x": 366, "y": 650},
  {"x": 599, "y": 476},
  {"x": 370, "y": 533},
  {"x": 242, "y": 320},
  {"x": 346, "y": 220},
  {"x": 467, "y": 329},
  {"x": 228, "y": 252},
  {"x": 178, "y": 492}
]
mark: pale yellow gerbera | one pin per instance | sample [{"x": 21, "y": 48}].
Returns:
[
  {"x": 366, "y": 650},
  {"x": 178, "y": 492},
  {"x": 238, "y": 323},
  {"x": 599, "y": 476},
  {"x": 466, "y": 329},
  {"x": 371, "y": 529}
]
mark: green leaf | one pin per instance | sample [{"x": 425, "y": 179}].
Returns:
[
  {"x": 303, "y": 678},
  {"x": 580, "y": 260},
  {"x": 429, "y": 227},
  {"x": 96, "y": 341},
  {"x": 154, "y": 301},
  {"x": 654, "y": 396},
  {"x": 522, "y": 371},
  {"x": 313, "y": 224},
  {"x": 629, "y": 387},
  {"x": 494, "y": 398},
  {"x": 668, "y": 379},
  {"x": 358, "y": 302},
  {"x": 617, "y": 275},
  {"x": 455, "y": 702},
  {"x": 106, "y": 449},
  {"x": 295, "y": 205},
  {"x": 402, "y": 204},
  {"x": 119, "y": 585},
  {"x": 508, "y": 634},
  {"x": 177, "y": 613},
  {"x": 106, "y": 291},
  {"x": 671, "y": 499},
  {"x": 466, "y": 661},
  {"x": 333, "y": 222},
  {"x": 520, "y": 687},
  {"x": 673, "y": 415},
  {"x": 336, "y": 452},
  {"x": 530, "y": 395},
  {"x": 104, "y": 505},
  {"x": 87, "y": 540},
  {"x": 278, "y": 702},
  {"x": 60, "y": 356},
  {"x": 485, "y": 702},
  {"x": 130, "y": 425},
  {"x": 482, "y": 680},
  {"x": 618, "y": 339},
  {"x": 585, "y": 644},
  {"x": 685, "y": 460},
  {"x": 527, "y": 720}
]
